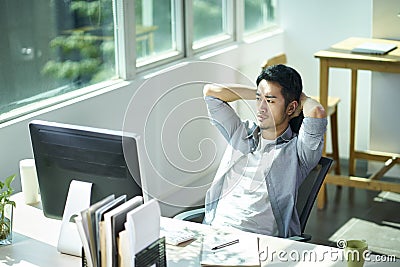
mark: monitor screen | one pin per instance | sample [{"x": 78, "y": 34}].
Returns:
[{"x": 65, "y": 152}]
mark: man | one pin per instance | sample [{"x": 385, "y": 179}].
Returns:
[{"x": 255, "y": 188}]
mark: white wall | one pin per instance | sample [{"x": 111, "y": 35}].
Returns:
[
  {"x": 308, "y": 25},
  {"x": 312, "y": 25}
]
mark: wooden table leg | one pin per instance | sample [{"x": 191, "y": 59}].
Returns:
[
  {"x": 353, "y": 102},
  {"x": 335, "y": 140},
  {"x": 323, "y": 83},
  {"x": 323, "y": 98}
]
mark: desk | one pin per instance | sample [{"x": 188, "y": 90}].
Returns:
[
  {"x": 340, "y": 56},
  {"x": 35, "y": 241}
]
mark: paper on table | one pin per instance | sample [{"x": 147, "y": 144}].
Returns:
[
  {"x": 85, "y": 240},
  {"x": 102, "y": 243},
  {"x": 100, "y": 227},
  {"x": 92, "y": 227},
  {"x": 114, "y": 223},
  {"x": 241, "y": 253},
  {"x": 143, "y": 225},
  {"x": 124, "y": 256}
]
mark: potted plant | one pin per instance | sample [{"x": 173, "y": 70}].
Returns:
[{"x": 6, "y": 210}]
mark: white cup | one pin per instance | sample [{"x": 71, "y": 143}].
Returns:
[{"x": 29, "y": 181}]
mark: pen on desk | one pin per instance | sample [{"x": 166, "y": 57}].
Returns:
[{"x": 226, "y": 244}]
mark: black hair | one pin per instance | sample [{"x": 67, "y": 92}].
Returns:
[{"x": 288, "y": 78}]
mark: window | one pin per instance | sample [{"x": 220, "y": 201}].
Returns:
[
  {"x": 157, "y": 31},
  {"x": 212, "y": 22},
  {"x": 259, "y": 15},
  {"x": 59, "y": 49},
  {"x": 54, "y": 47}
]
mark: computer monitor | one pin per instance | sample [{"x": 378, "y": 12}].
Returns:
[{"x": 62, "y": 152}]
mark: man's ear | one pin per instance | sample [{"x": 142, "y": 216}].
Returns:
[{"x": 291, "y": 108}]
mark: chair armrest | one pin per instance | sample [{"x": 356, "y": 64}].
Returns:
[{"x": 190, "y": 215}]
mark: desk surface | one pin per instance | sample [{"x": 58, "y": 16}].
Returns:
[
  {"x": 342, "y": 50},
  {"x": 35, "y": 241}
]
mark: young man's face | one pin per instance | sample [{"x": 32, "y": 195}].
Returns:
[{"x": 272, "y": 114}]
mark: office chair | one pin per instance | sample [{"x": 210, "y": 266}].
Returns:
[{"x": 307, "y": 193}]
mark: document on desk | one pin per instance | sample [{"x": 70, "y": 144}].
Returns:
[
  {"x": 143, "y": 225},
  {"x": 92, "y": 226},
  {"x": 101, "y": 230},
  {"x": 114, "y": 221},
  {"x": 83, "y": 233},
  {"x": 230, "y": 250}
]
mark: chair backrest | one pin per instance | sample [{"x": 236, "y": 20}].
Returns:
[
  {"x": 309, "y": 189},
  {"x": 277, "y": 59}
]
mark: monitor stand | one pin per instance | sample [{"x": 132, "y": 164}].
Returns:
[{"x": 78, "y": 199}]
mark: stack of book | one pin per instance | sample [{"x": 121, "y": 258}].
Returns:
[{"x": 114, "y": 231}]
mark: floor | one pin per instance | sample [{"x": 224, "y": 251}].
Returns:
[{"x": 345, "y": 203}]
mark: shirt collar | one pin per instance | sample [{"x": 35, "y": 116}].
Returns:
[{"x": 285, "y": 137}]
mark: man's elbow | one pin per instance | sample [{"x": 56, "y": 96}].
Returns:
[
  {"x": 319, "y": 112},
  {"x": 207, "y": 90},
  {"x": 316, "y": 111},
  {"x": 213, "y": 90}
]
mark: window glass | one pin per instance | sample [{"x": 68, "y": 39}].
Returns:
[
  {"x": 155, "y": 28},
  {"x": 259, "y": 15},
  {"x": 50, "y": 47},
  {"x": 209, "y": 20}
]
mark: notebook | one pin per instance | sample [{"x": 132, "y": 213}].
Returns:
[{"x": 374, "y": 48}]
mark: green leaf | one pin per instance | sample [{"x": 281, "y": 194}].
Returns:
[
  {"x": 8, "y": 180},
  {"x": 6, "y": 191}
]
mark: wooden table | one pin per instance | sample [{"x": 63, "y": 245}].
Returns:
[{"x": 340, "y": 56}]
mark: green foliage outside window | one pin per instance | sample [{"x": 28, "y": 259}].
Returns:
[{"x": 85, "y": 54}]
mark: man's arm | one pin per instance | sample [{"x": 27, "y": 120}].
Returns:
[
  {"x": 230, "y": 92},
  {"x": 311, "y": 135},
  {"x": 311, "y": 108}
]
